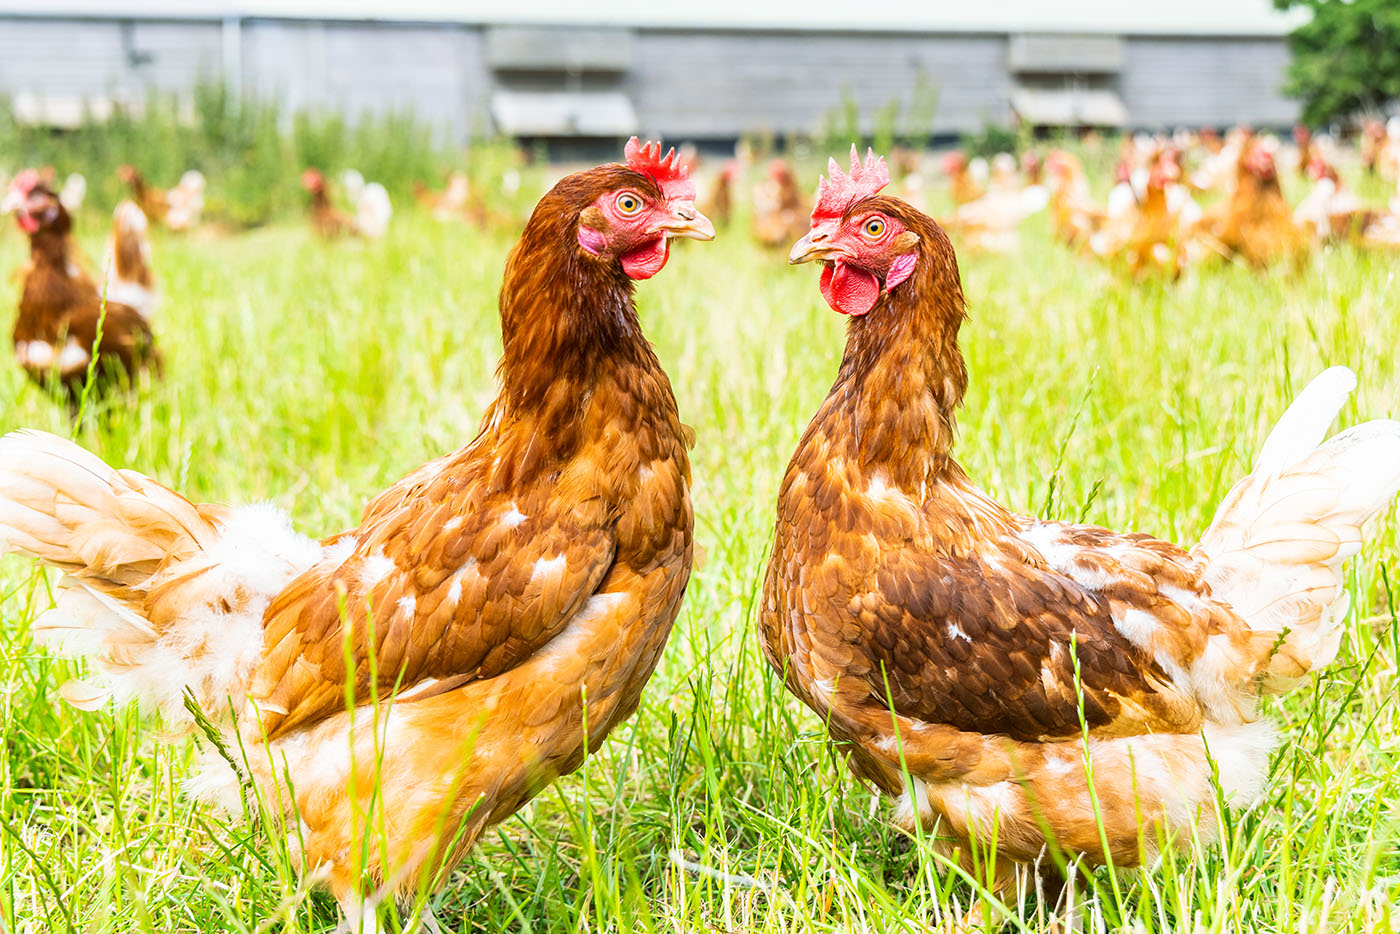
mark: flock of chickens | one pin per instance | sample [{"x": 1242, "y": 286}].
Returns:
[
  {"x": 81, "y": 334},
  {"x": 1152, "y": 222},
  {"x": 1176, "y": 201},
  {"x": 1009, "y": 681}
]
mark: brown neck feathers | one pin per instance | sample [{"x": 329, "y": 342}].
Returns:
[
  {"x": 570, "y": 334},
  {"x": 902, "y": 375}
]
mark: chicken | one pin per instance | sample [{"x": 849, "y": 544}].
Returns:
[
  {"x": 1120, "y": 213},
  {"x": 1073, "y": 213},
  {"x": 989, "y": 224},
  {"x": 1255, "y": 222},
  {"x": 1129, "y": 186},
  {"x": 1219, "y": 168},
  {"x": 719, "y": 206},
  {"x": 449, "y": 204},
  {"x": 951, "y": 646},
  {"x": 512, "y": 598},
  {"x": 130, "y": 281},
  {"x": 1373, "y": 144},
  {"x": 777, "y": 207},
  {"x": 1388, "y": 159},
  {"x": 965, "y": 185},
  {"x": 1158, "y": 233},
  {"x": 150, "y": 199},
  {"x": 460, "y": 201},
  {"x": 373, "y": 208},
  {"x": 61, "y": 308},
  {"x": 1330, "y": 210},
  {"x": 186, "y": 201},
  {"x": 326, "y": 219},
  {"x": 1306, "y": 151}
]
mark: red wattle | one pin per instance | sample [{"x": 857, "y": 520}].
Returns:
[
  {"x": 27, "y": 222},
  {"x": 849, "y": 290},
  {"x": 646, "y": 261}
]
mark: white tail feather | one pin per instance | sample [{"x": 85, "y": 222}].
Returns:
[
  {"x": 1305, "y": 423},
  {"x": 160, "y": 595},
  {"x": 1276, "y": 547}
]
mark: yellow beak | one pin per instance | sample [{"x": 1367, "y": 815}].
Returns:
[
  {"x": 689, "y": 223},
  {"x": 816, "y": 245}
]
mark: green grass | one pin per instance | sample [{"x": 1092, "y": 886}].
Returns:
[{"x": 313, "y": 375}]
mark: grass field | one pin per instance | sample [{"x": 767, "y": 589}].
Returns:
[{"x": 314, "y": 374}]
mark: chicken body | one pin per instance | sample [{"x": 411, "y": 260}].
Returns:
[
  {"x": 945, "y": 640},
  {"x": 777, "y": 206},
  {"x": 373, "y": 208},
  {"x": 327, "y": 220},
  {"x": 131, "y": 281},
  {"x": 152, "y": 201},
  {"x": 1075, "y": 216},
  {"x": 494, "y": 616},
  {"x": 1158, "y": 230},
  {"x": 990, "y": 223},
  {"x": 1255, "y": 221},
  {"x": 61, "y": 308},
  {"x": 186, "y": 202}
]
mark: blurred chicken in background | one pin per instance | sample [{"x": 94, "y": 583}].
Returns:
[
  {"x": 128, "y": 263},
  {"x": 778, "y": 207},
  {"x": 185, "y": 202}
]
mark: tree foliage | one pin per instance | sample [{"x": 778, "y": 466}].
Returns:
[{"x": 1346, "y": 57}]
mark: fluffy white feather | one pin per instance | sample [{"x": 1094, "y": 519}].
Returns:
[
  {"x": 1279, "y": 539},
  {"x": 159, "y": 595}
]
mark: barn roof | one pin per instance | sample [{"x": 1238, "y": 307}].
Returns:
[{"x": 1121, "y": 17}]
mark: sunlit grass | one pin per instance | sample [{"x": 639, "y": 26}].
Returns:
[{"x": 314, "y": 374}]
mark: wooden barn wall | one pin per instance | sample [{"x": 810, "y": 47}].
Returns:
[
  {"x": 705, "y": 84},
  {"x": 104, "y": 58},
  {"x": 436, "y": 72},
  {"x": 718, "y": 84},
  {"x": 1169, "y": 82}
]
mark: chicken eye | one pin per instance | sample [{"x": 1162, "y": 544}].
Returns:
[
  {"x": 628, "y": 203},
  {"x": 874, "y": 228}
]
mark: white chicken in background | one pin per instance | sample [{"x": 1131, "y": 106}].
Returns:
[
  {"x": 127, "y": 270},
  {"x": 186, "y": 201},
  {"x": 373, "y": 208},
  {"x": 73, "y": 192}
]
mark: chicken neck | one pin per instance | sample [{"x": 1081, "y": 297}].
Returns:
[
  {"x": 902, "y": 375},
  {"x": 571, "y": 341}
]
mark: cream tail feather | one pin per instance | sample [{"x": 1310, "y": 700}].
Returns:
[
  {"x": 1279, "y": 539},
  {"x": 159, "y": 594}
]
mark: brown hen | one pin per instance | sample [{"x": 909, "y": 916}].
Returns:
[
  {"x": 1255, "y": 221},
  {"x": 152, "y": 201},
  {"x": 61, "y": 308},
  {"x": 494, "y": 616},
  {"x": 977, "y": 664}
]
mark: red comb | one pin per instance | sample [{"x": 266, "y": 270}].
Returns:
[
  {"x": 668, "y": 172},
  {"x": 25, "y": 182},
  {"x": 841, "y": 189}
]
